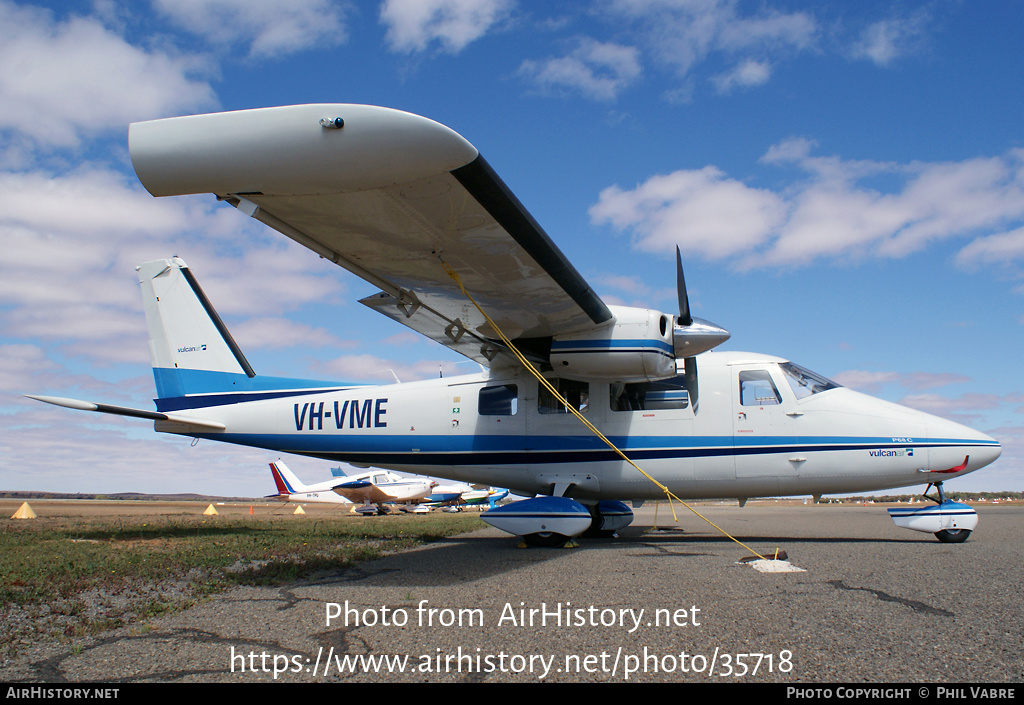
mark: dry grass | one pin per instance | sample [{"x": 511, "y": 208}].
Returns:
[{"x": 68, "y": 575}]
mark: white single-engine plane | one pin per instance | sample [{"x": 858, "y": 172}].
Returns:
[
  {"x": 411, "y": 207},
  {"x": 291, "y": 489},
  {"x": 369, "y": 491}
]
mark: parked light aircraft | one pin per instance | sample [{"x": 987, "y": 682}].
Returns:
[
  {"x": 488, "y": 495},
  {"x": 461, "y": 494},
  {"x": 369, "y": 490},
  {"x": 449, "y": 493},
  {"x": 413, "y": 208},
  {"x": 291, "y": 489}
]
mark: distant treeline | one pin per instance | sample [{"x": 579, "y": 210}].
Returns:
[
  {"x": 133, "y": 496},
  {"x": 955, "y": 496}
]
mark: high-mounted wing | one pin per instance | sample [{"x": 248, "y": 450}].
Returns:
[{"x": 387, "y": 195}]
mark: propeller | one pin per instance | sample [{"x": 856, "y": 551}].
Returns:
[{"x": 692, "y": 336}]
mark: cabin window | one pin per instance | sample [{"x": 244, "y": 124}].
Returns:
[
  {"x": 649, "y": 396},
  {"x": 576, "y": 393},
  {"x": 757, "y": 389},
  {"x": 804, "y": 382},
  {"x": 501, "y": 400}
]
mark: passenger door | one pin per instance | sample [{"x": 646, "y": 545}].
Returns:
[{"x": 765, "y": 424}]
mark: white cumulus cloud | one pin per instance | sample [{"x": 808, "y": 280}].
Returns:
[
  {"x": 72, "y": 241},
  {"x": 61, "y": 80},
  {"x": 684, "y": 33},
  {"x": 268, "y": 27},
  {"x": 597, "y": 70},
  {"x": 747, "y": 74},
  {"x": 884, "y": 41},
  {"x": 997, "y": 248},
  {"x": 413, "y": 25},
  {"x": 831, "y": 212},
  {"x": 701, "y": 209}
]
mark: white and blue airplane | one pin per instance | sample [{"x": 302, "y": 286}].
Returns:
[
  {"x": 413, "y": 208},
  {"x": 458, "y": 495},
  {"x": 370, "y": 492},
  {"x": 291, "y": 489},
  {"x": 447, "y": 493}
]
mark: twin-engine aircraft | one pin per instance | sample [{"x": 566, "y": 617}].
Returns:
[{"x": 413, "y": 208}]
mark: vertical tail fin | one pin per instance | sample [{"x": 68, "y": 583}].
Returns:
[
  {"x": 196, "y": 362},
  {"x": 285, "y": 480},
  {"x": 190, "y": 347}
]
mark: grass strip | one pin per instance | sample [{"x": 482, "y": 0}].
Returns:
[{"x": 74, "y": 578}]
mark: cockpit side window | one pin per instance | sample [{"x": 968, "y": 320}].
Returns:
[
  {"x": 758, "y": 389},
  {"x": 804, "y": 382}
]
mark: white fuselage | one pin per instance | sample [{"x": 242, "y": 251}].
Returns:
[{"x": 749, "y": 435}]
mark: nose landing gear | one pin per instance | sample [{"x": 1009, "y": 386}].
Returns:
[
  {"x": 950, "y": 535},
  {"x": 949, "y": 521}
]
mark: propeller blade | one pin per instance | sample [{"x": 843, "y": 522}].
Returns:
[
  {"x": 685, "y": 318},
  {"x": 690, "y": 380}
]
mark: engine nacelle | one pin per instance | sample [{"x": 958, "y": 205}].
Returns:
[{"x": 636, "y": 347}]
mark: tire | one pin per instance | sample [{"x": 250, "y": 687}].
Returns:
[
  {"x": 596, "y": 520},
  {"x": 952, "y": 535},
  {"x": 545, "y": 539}
]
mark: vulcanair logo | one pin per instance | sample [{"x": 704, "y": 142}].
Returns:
[
  {"x": 193, "y": 348},
  {"x": 901, "y": 452}
]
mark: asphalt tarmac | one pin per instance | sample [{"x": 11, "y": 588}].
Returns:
[{"x": 873, "y": 604}]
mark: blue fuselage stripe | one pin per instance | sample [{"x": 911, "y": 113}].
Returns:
[
  {"x": 179, "y": 389},
  {"x": 642, "y": 345},
  {"x": 521, "y": 450}
]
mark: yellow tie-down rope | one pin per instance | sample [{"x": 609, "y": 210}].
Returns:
[{"x": 547, "y": 385}]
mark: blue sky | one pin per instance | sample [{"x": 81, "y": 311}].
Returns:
[{"x": 845, "y": 181}]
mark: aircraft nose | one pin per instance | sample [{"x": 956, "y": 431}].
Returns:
[
  {"x": 959, "y": 448},
  {"x": 990, "y": 452}
]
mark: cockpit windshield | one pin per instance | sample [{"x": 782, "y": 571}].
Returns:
[{"x": 804, "y": 382}]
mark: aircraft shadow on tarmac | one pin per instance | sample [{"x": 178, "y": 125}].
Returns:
[{"x": 477, "y": 556}]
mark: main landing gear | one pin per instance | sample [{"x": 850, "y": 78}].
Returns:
[
  {"x": 606, "y": 518},
  {"x": 551, "y": 521}
]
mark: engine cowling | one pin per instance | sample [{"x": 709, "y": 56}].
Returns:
[{"x": 638, "y": 345}]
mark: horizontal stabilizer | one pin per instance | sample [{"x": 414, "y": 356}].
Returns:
[{"x": 176, "y": 419}]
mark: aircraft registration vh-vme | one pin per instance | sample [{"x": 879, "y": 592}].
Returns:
[{"x": 410, "y": 206}]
